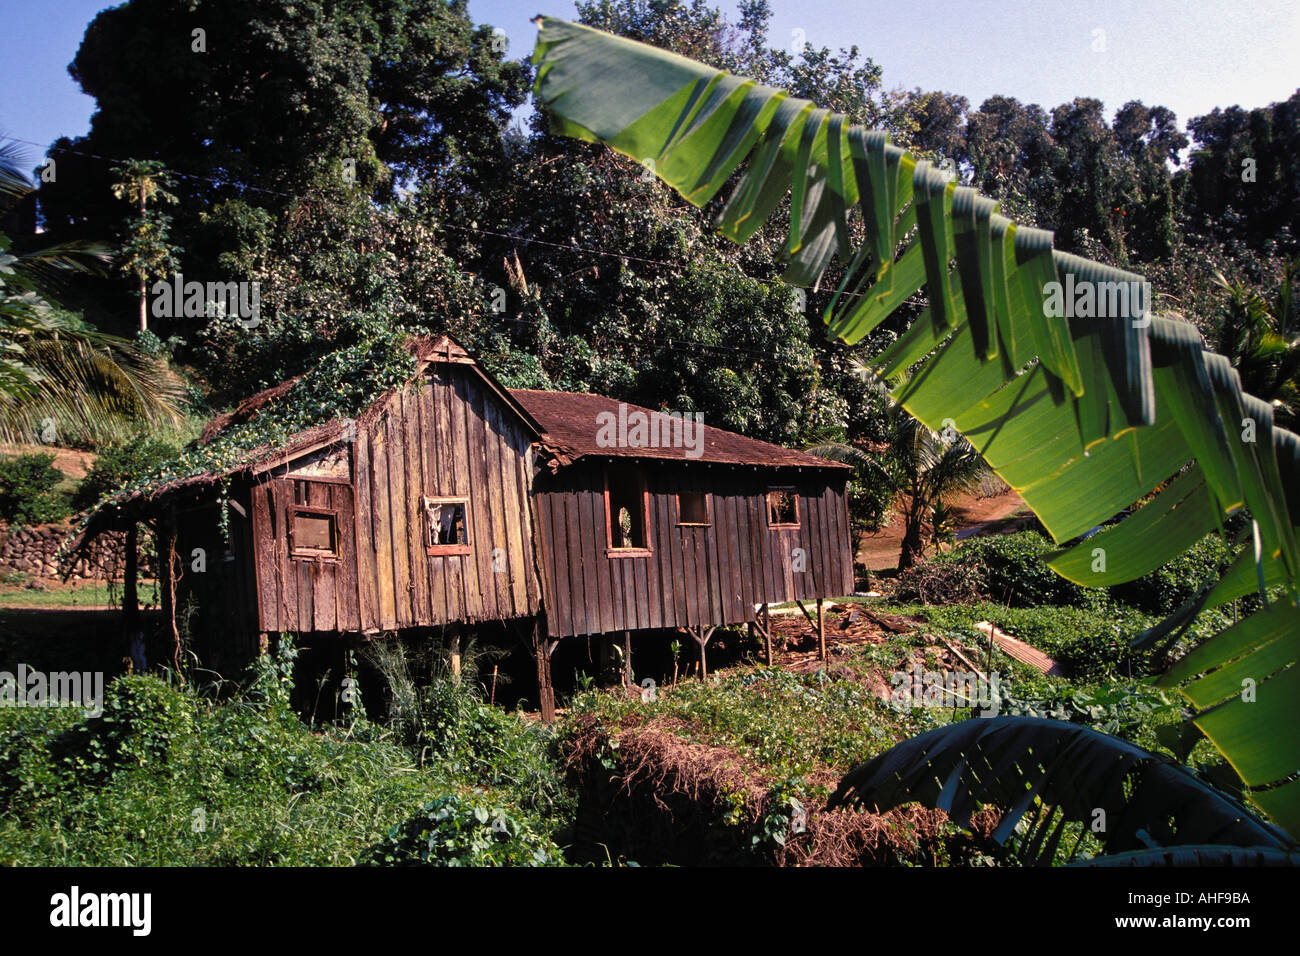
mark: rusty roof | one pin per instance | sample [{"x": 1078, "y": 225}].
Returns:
[{"x": 579, "y": 424}]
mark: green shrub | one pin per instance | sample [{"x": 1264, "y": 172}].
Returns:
[
  {"x": 143, "y": 720},
  {"x": 27, "y": 490},
  {"x": 1168, "y": 587},
  {"x": 172, "y": 777},
  {"x": 120, "y": 464},
  {"x": 34, "y": 744},
  {"x": 489, "y": 746},
  {"x": 1009, "y": 569},
  {"x": 453, "y": 831}
]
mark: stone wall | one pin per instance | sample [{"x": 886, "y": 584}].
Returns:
[{"x": 34, "y": 550}]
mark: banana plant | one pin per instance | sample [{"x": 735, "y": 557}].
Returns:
[
  {"x": 1053, "y": 366},
  {"x": 1065, "y": 782}
]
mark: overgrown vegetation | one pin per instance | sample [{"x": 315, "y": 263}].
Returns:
[
  {"x": 29, "y": 492},
  {"x": 172, "y": 776}
]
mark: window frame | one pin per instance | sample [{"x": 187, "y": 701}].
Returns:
[
  {"x": 298, "y": 553},
  {"x": 708, "y": 510},
  {"x": 633, "y": 552},
  {"x": 767, "y": 507},
  {"x": 439, "y": 550}
]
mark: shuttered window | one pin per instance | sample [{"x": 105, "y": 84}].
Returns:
[{"x": 313, "y": 533}]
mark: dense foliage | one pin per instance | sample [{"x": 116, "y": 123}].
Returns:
[
  {"x": 170, "y": 776},
  {"x": 379, "y": 185},
  {"x": 29, "y": 492}
]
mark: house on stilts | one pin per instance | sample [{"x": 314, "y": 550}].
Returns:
[{"x": 454, "y": 500}]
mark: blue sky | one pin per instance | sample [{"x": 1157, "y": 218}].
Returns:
[{"x": 1188, "y": 55}]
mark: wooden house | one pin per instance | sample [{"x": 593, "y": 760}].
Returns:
[{"x": 453, "y": 500}]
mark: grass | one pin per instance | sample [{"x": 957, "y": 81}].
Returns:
[
  {"x": 805, "y": 727},
  {"x": 87, "y": 595}
]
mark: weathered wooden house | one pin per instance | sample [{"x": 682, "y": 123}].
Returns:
[{"x": 453, "y": 500}]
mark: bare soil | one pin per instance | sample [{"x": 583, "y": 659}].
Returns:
[
  {"x": 975, "y": 515},
  {"x": 73, "y": 464}
]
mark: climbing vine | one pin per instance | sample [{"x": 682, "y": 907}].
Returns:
[{"x": 340, "y": 386}]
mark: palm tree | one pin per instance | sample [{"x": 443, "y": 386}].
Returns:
[
  {"x": 1262, "y": 340},
  {"x": 1083, "y": 417},
  {"x": 148, "y": 251},
  {"x": 59, "y": 378},
  {"x": 924, "y": 468}
]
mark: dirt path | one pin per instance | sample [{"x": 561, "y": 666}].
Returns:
[
  {"x": 974, "y": 516},
  {"x": 73, "y": 464}
]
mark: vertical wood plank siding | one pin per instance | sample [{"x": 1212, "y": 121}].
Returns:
[
  {"x": 694, "y": 575},
  {"x": 445, "y": 436}
]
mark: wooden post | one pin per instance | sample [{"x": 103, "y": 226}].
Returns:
[
  {"x": 821, "y": 629},
  {"x": 542, "y": 652},
  {"x": 702, "y": 638},
  {"x": 767, "y": 634},
  {"x": 131, "y": 593},
  {"x": 627, "y": 659},
  {"x": 455, "y": 656},
  {"x": 167, "y": 584},
  {"x": 605, "y": 667}
]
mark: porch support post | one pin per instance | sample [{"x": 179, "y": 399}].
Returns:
[
  {"x": 542, "y": 648},
  {"x": 821, "y": 629},
  {"x": 701, "y": 636},
  {"x": 131, "y": 594}
]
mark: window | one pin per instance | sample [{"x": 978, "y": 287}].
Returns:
[
  {"x": 692, "y": 507},
  {"x": 446, "y": 526},
  {"x": 782, "y": 508},
  {"x": 313, "y": 533},
  {"x": 625, "y": 513}
]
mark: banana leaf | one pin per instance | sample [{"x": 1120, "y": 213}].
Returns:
[{"x": 1053, "y": 366}]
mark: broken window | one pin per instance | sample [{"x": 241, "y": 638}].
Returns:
[
  {"x": 313, "y": 533},
  {"x": 446, "y": 525},
  {"x": 692, "y": 507},
  {"x": 782, "y": 508},
  {"x": 625, "y": 510}
]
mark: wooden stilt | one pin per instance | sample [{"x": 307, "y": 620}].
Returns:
[
  {"x": 767, "y": 634},
  {"x": 455, "y": 657},
  {"x": 542, "y": 649},
  {"x": 131, "y": 597},
  {"x": 167, "y": 587},
  {"x": 821, "y": 629},
  {"x": 701, "y": 636},
  {"x": 627, "y": 659},
  {"x": 606, "y": 666}
]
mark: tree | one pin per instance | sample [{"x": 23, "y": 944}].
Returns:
[
  {"x": 1262, "y": 340},
  {"x": 1083, "y": 416},
  {"x": 58, "y": 378},
  {"x": 924, "y": 468},
  {"x": 258, "y": 104},
  {"x": 1243, "y": 175},
  {"x": 146, "y": 251}
]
